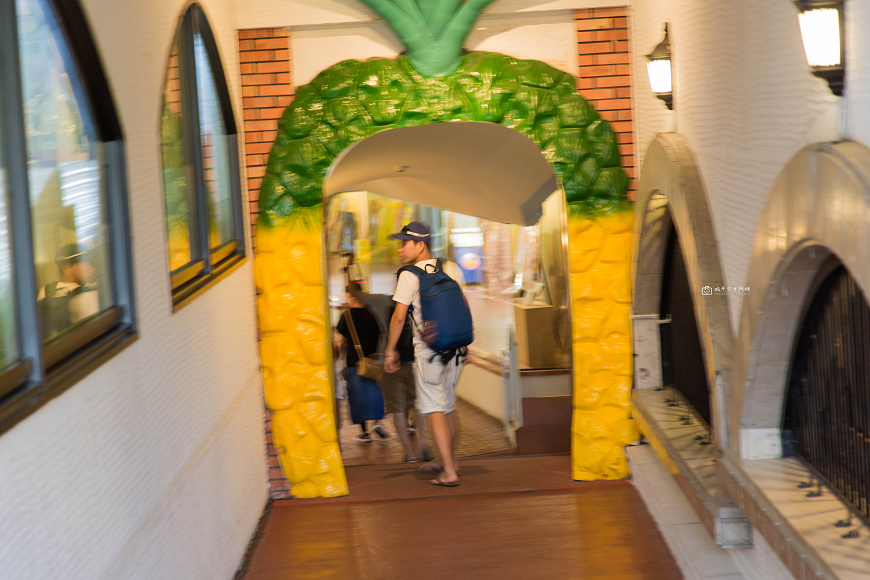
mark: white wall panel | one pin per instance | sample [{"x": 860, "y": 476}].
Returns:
[
  {"x": 153, "y": 465},
  {"x": 858, "y": 71},
  {"x": 294, "y": 13},
  {"x": 550, "y": 37},
  {"x": 318, "y": 47},
  {"x": 745, "y": 101}
]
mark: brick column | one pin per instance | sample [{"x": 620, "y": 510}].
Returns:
[
  {"x": 267, "y": 89},
  {"x": 172, "y": 91},
  {"x": 604, "y": 77}
]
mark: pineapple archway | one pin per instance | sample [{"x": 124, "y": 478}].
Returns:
[{"x": 435, "y": 83}]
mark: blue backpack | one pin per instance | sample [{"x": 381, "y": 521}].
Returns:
[{"x": 445, "y": 321}]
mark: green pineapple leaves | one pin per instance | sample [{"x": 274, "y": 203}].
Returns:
[
  {"x": 432, "y": 31},
  {"x": 354, "y": 99}
]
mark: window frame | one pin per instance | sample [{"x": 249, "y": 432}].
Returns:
[
  {"x": 44, "y": 370},
  {"x": 207, "y": 265}
]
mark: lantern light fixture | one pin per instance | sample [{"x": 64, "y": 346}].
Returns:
[
  {"x": 822, "y": 32},
  {"x": 659, "y": 70}
]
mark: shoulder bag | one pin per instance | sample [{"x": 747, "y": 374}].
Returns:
[{"x": 368, "y": 367}]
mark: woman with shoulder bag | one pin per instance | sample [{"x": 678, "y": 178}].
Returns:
[{"x": 359, "y": 334}]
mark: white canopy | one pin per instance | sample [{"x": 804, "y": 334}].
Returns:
[{"x": 479, "y": 169}]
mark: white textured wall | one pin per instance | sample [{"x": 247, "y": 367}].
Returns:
[
  {"x": 482, "y": 389},
  {"x": 154, "y": 465},
  {"x": 745, "y": 101},
  {"x": 549, "y": 36},
  {"x": 858, "y": 71},
  {"x": 272, "y": 13}
]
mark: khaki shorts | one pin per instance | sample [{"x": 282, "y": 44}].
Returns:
[{"x": 399, "y": 389}]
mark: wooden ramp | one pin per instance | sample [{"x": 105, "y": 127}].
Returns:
[{"x": 511, "y": 518}]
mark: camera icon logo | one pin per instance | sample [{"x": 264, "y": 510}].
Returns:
[{"x": 707, "y": 291}]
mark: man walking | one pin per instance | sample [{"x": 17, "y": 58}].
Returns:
[{"x": 436, "y": 378}]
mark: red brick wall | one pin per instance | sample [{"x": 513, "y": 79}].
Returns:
[
  {"x": 267, "y": 89},
  {"x": 172, "y": 90},
  {"x": 604, "y": 77}
]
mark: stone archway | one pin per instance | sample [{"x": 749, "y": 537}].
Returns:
[
  {"x": 671, "y": 190},
  {"x": 818, "y": 207},
  {"x": 352, "y": 100}
]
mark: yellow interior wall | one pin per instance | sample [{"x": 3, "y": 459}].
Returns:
[
  {"x": 296, "y": 358},
  {"x": 296, "y": 354},
  {"x": 600, "y": 263}
]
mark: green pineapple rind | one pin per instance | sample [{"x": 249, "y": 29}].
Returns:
[{"x": 353, "y": 99}]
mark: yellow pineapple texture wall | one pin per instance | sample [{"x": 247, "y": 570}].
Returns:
[
  {"x": 295, "y": 355},
  {"x": 600, "y": 264},
  {"x": 296, "y": 360}
]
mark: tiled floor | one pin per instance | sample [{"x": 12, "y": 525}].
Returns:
[
  {"x": 517, "y": 518},
  {"x": 479, "y": 434}
]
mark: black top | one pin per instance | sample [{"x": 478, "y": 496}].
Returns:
[
  {"x": 405, "y": 346},
  {"x": 366, "y": 328}
]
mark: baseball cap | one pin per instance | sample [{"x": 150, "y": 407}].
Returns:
[
  {"x": 417, "y": 231},
  {"x": 69, "y": 254}
]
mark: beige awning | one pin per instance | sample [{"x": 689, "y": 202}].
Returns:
[{"x": 479, "y": 169}]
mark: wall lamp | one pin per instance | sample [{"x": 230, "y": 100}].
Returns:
[
  {"x": 659, "y": 70},
  {"x": 822, "y": 31}
]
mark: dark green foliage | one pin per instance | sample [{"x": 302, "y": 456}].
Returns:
[{"x": 352, "y": 100}]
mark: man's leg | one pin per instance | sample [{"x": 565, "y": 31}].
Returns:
[
  {"x": 420, "y": 425},
  {"x": 434, "y": 402},
  {"x": 444, "y": 441},
  {"x": 400, "y": 420},
  {"x": 392, "y": 386},
  {"x": 451, "y": 377},
  {"x": 453, "y": 425}
]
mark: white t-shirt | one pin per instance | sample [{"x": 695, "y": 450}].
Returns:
[
  {"x": 81, "y": 306},
  {"x": 408, "y": 290}
]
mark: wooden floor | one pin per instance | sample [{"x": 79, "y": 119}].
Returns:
[{"x": 491, "y": 527}]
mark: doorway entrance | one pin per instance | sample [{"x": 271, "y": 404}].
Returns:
[{"x": 517, "y": 289}]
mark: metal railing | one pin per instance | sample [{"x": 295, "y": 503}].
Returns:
[
  {"x": 682, "y": 357},
  {"x": 513, "y": 398},
  {"x": 827, "y": 419}
]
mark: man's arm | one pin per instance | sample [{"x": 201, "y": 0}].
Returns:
[
  {"x": 338, "y": 344},
  {"x": 397, "y": 322}
]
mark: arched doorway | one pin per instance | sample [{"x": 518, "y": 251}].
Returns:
[
  {"x": 329, "y": 115},
  {"x": 814, "y": 221},
  {"x": 682, "y": 329},
  {"x": 826, "y": 412},
  {"x": 480, "y": 187},
  {"x": 682, "y": 355}
]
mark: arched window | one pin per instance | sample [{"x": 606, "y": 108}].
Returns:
[
  {"x": 827, "y": 416},
  {"x": 682, "y": 357},
  {"x": 200, "y": 162},
  {"x": 65, "y": 289}
]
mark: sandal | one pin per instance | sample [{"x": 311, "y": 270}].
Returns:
[{"x": 442, "y": 483}]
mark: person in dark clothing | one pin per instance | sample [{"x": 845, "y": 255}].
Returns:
[
  {"x": 400, "y": 392},
  {"x": 363, "y": 394},
  {"x": 72, "y": 297}
]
